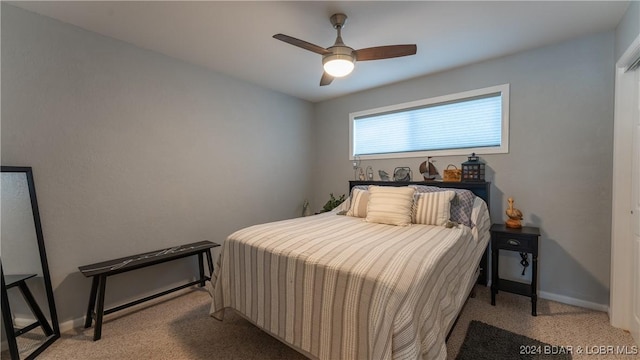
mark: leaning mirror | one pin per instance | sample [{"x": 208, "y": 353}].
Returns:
[{"x": 29, "y": 320}]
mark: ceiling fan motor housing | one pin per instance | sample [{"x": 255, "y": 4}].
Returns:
[{"x": 339, "y": 52}]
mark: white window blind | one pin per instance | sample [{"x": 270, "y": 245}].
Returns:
[{"x": 474, "y": 121}]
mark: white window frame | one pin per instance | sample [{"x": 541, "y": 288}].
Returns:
[{"x": 503, "y": 148}]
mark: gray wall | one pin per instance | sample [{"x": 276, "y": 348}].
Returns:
[
  {"x": 560, "y": 160},
  {"x": 133, "y": 151}
]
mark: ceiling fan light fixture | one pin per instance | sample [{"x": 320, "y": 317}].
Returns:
[{"x": 338, "y": 65}]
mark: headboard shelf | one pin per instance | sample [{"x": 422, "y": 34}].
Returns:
[{"x": 480, "y": 188}]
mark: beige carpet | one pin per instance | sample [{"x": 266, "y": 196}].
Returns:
[{"x": 179, "y": 327}]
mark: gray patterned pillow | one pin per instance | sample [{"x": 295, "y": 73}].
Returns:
[{"x": 461, "y": 205}]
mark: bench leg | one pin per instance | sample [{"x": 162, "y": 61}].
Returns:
[
  {"x": 92, "y": 303},
  {"x": 102, "y": 284}
]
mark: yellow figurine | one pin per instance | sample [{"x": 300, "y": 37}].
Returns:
[{"x": 514, "y": 215}]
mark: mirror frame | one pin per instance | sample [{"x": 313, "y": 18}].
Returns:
[{"x": 6, "y": 310}]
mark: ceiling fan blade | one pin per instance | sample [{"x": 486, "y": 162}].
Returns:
[
  {"x": 301, "y": 44},
  {"x": 326, "y": 79},
  {"x": 385, "y": 52}
]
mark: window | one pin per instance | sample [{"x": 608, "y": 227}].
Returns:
[{"x": 458, "y": 124}]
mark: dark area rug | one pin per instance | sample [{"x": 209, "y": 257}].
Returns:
[{"x": 484, "y": 341}]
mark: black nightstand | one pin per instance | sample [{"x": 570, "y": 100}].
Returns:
[{"x": 523, "y": 240}]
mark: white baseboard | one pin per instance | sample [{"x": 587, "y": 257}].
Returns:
[
  {"x": 69, "y": 325},
  {"x": 569, "y": 300},
  {"x": 573, "y": 301},
  {"x": 65, "y": 326}
]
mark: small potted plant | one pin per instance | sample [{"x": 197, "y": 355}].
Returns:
[{"x": 333, "y": 202}]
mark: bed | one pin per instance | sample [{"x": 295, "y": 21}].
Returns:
[{"x": 339, "y": 286}]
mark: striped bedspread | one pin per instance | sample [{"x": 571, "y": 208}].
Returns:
[{"x": 336, "y": 287}]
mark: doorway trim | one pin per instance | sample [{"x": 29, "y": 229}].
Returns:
[{"x": 623, "y": 261}]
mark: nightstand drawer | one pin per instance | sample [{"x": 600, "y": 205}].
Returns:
[{"x": 516, "y": 243}]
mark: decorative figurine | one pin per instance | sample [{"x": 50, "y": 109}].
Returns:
[
  {"x": 514, "y": 215},
  {"x": 306, "y": 208},
  {"x": 356, "y": 167},
  {"x": 384, "y": 176},
  {"x": 402, "y": 174},
  {"x": 428, "y": 170},
  {"x": 369, "y": 173},
  {"x": 361, "y": 174}
]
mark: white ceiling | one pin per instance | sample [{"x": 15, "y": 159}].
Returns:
[{"x": 235, "y": 37}]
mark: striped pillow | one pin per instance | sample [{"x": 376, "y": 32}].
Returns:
[
  {"x": 359, "y": 201},
  {"x": 390, "y": 205},
  {"x": 432, "y": 208}
]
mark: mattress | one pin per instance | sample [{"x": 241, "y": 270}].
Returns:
[{"x": 336, "y": 287}]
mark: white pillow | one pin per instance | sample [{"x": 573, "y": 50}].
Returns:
[
  {"x": 433, "y": 208},
  {"x": 390, "y": 205},
  {"x": 359, "y": 202}
]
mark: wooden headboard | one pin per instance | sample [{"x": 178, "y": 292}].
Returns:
[{"x": 481, "y": 189}]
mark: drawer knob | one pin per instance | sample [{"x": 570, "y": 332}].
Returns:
[{"x": 514, "y": 242}]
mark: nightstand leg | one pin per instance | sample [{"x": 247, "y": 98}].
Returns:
[
  {"x": 494, "y": 274},
  {"x": 534, "y": 284}
]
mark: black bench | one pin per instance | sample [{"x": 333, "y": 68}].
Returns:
[{"x": 100, "y": 271}]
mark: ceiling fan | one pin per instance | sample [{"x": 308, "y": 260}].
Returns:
[{"x": 339, "y": 60}]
